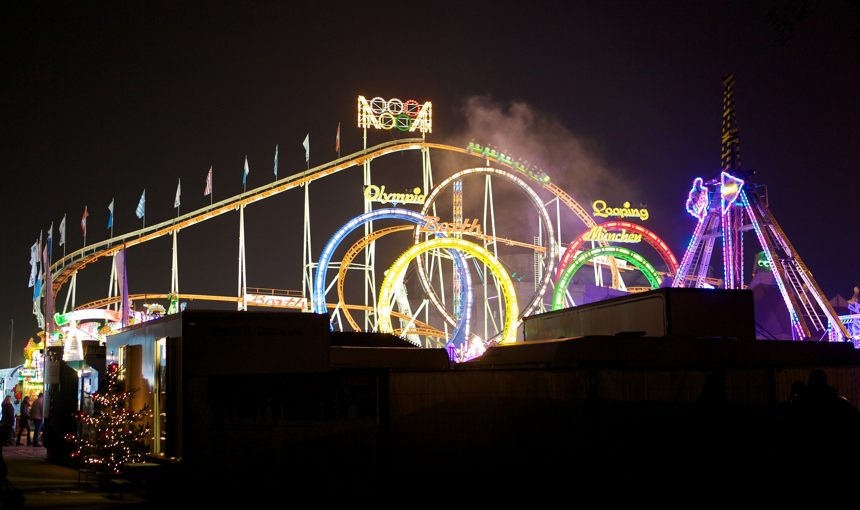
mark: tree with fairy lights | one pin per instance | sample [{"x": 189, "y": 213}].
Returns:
[{"x": 114, "y": 434}]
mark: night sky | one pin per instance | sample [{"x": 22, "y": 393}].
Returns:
[{"x": 614, "y": 100}]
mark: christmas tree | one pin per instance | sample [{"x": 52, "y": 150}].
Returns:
[{"x": 114, "y": 434}]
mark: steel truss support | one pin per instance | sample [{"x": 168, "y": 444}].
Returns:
[
  {"x": 812, "y": 315},
  {"x": 370, "y": 318},
  {"x": 71, "y": 293},
  {"x": 458, "y": 219},
  {"x": 488, "y": 312}
]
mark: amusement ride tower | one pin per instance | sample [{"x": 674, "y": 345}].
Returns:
[{"x": 729, "y": 205}]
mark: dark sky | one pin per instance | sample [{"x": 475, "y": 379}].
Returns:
[{"x": 102, "y": 100}]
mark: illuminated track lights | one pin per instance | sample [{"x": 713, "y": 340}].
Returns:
[
  {"x": 511, "y": 307},
  {"x": 558, "y": 299}
]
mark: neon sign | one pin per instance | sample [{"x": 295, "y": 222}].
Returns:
[
  {"x": 394, "y": 113},
  {"x": 278, "y": 301},
  {"x": 697, "y": 200},
  {"x": 599, "y": 233},
  {"x": 601, "y": 210},
  {"x": 730, "y": 187},
  {"x": 376, "y": 194},
  {"x": 433, "y": 225},
  {"x": 762, "y": 262}
]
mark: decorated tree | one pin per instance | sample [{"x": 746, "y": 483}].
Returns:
[{"x": 113, "y": 435}]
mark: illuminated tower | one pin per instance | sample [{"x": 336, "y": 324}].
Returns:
[
  {"x": 732, "y": 212},
  {"x": 718, "y": 212},
  {"x": 726, "y": 207}
]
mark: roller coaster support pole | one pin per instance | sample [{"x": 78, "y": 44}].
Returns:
[
  {"x": 427, "y": 172},
  {"x": 111, "y": 284},
  {"x": 243, "y": 277},
  {"x": 307, "y": 265},
  {"x": 598, "y": 272},
  {"x": 369, "y": 255},
  {"x": 539, "y": 269},
  {"x": 411, "y": 322},
  {"x": 488, "y": 203},
  {"x": 174, "y": 277},
  {"x": 71, "y": 293}
]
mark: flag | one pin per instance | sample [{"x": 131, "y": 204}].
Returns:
[
  {"x": 337, "y": 139},
  {"x": 141, "y": 206},
  {"x": 307, "y": 146},
  {"x": 276, "y": 162},
  {"x": 178, "y": 191},
  {"x": 37, "y": 292},
  {"x": 208, "y": 190},
  {"x": 110, "y": 221},
  {"x": 63, "y": 231},
  {"x": 50, "y": 240},
  {"x": 245, "y": 175},
  {"x": 34, "y": 263},
  {"x": 84, "y": 221}
]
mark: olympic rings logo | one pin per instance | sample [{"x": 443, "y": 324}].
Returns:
[{"x": 394, "y": 113}]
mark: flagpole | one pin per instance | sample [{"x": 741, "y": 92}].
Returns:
[
  {"x": 111, "y": 219},
  {"x": 211, "y": 185}
]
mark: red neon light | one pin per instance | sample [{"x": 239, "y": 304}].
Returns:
[{"x": 650, "y": 237}]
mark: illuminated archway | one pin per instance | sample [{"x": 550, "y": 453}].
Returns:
[
  {"x": 615, "y": 251},
  {"x": 647, "y": 236},
  {"x": 511, "y": 307}
]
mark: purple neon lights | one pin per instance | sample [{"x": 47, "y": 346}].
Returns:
[{"x": 697, "y": 199}]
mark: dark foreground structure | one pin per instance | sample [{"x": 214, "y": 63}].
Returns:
[{"x": 251, "y": 400}]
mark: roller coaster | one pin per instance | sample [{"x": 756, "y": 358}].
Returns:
[
  {"x": 312, "y": 297},
  {"x": 737, "y": 207}
]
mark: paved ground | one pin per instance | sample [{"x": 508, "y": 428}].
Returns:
[{"x": 48, "y": 485}]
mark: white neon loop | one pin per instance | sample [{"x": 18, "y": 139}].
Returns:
[
  {"x": 378, "y": 105},
  {"x": 538, "y": 203},
  {"x": 395, "y": 106}
]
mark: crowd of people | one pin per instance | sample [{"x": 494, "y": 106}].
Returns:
[{"x": 29, "y": 413}]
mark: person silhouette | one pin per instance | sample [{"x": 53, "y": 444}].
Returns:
[{"x": 812, "y": 417}]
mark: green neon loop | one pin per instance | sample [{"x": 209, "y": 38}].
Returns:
[
  {"x": 406, "y": 124},
  {"x": 615, "y": 251}
]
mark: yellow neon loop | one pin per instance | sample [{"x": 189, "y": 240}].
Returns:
[{"x": 511, "y": 308}]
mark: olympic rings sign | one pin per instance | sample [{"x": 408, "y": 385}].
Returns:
[{"x": 394, "y": 113}]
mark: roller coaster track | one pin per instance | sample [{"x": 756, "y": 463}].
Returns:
[
  {"x": 63, "y": 269},
  {"x": 425, "y": 328}
]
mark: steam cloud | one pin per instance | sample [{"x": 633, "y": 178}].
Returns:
[{"x": 541, "y": 139}]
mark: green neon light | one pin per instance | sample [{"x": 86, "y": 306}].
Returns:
[
  {"x": 62, "y": 319},
  {"x": 613, "y": 251}
]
